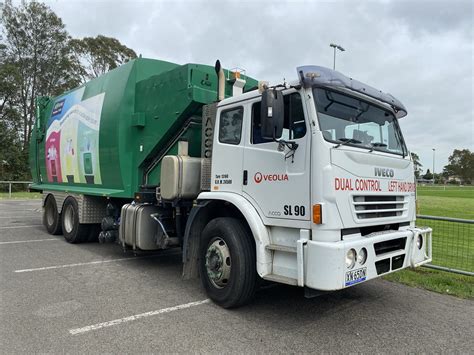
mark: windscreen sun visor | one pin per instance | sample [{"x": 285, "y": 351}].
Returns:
[{"x": 314, "y": 75}]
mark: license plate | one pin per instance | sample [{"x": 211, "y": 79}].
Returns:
[{"x": 355, "y": 276}]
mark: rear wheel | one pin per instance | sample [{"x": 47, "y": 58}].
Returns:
[
  {"x": 73, "y": 231},
  {"x": 227, "y": 262},
  {"x": 51, "y": 217}
]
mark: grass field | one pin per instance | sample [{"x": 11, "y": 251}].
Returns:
[
  {"x": 453, "y": 243},
  {"x": 449, "y": 201},
  {"x": 20, "y": 195},
  {"x": 436, "y": 280}
]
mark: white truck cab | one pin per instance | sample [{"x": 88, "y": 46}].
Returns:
[{"x": 317, "y": 176}]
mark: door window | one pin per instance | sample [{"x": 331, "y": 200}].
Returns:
[
  {"x": 230, "y": 126},
  {"x": 294, "y": 126}
]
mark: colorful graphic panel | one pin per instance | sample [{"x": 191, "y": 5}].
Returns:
[{"x": 72, "y": 139}]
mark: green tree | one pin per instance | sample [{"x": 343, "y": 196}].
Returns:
[
  {"x": 100, "y": 54},
  {"x": 428, "y": 175},
  {"x": 416, "y": 162},
  {"x": 9, "y": 78},
  {"x": 37, "y": 45},
  {"x": 12, "y": 162},
  {"x": 39, "y": 58},
  {"x": 461, "y": 165},
  {"x": 439, "y": 178}
]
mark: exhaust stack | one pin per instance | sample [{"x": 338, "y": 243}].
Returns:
[{"x": 220, "y": 81}]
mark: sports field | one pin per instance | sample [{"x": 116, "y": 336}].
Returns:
[
  {"x": 446, "y": 201},
  {"x": 453, "y": 243}
]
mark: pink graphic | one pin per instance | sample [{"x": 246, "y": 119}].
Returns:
[{"x": 53, "y": 161}]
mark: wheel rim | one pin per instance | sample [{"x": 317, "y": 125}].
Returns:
[
  {"x": 50, "y": 215},
  {"x": 69, "y": 219},
  {"x": 218, "y": 262}
]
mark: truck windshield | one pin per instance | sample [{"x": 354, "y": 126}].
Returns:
[{"x": 351, "y": 121}]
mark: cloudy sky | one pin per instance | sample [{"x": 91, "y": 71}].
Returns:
[{"x": 420, "y": 51}]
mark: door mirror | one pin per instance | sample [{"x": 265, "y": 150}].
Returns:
[{"x": 272, "y": 114}]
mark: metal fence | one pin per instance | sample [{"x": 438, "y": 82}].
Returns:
[
  {"x": 10, "y": 185},
  {"x": 453, "y": 243}
]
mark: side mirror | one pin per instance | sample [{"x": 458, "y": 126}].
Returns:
[{"x": 272, "y": 114}]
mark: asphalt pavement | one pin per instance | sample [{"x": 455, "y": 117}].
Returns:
[{"x": 57, "y": 297}]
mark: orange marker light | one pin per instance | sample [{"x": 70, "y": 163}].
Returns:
[{"x": 317, "y": 214}]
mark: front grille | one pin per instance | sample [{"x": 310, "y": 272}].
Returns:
[
  {"x": 397, "y": 262},
  {"x": 390, "y": 245},
  {"x": 382, "y": 266},
  {"x": 373, "y": 206}
]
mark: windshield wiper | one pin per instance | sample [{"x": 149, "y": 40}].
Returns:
[
  {"x": 377, "y": 144},
  {"x": 346, "y": 141}
]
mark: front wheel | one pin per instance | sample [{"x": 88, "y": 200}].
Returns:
[{"x": 227, "y": 262}]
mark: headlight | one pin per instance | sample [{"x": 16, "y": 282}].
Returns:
[
  {"x": 419, "y": 241},
  {"x": 351, "y": 257},
  {"x": 362, "y": 256}
]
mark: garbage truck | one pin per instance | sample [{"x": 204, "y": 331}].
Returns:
[{"x": 306, "y": 183}]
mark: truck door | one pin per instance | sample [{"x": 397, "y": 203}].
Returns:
[
  {"x": 227, "y": 155},
  {"x": 278, "y": 178}
]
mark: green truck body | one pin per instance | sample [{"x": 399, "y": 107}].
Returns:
[{"x": 107, "y": 137}]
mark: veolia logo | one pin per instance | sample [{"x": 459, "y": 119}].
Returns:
[
  {"x": 384, "y": 172},
  {"x": 259, "y": 177}
]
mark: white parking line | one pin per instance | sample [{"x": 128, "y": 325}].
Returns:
[
  {"x": 27, "y": 226},
  {"x": 29, "y": 241},
  {"x": 82, "y": 264},
  {"x": 136, "y": 317}
]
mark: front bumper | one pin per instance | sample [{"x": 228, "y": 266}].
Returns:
[{"x": 324, "y": 262}]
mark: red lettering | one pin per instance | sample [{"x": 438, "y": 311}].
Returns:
[
  {"x": 349, "y": 185},
  {"x": 343, "y": 184},
  {"x": 270, "y": 177}
]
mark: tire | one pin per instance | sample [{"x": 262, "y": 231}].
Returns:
[
  {"x": 73, "y": 231},
  {"x": 227, "y": 262},
  {"x": 51, "y": 217}
]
